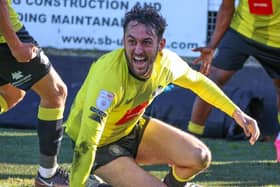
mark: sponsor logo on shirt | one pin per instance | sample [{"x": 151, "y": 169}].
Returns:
[
  {"x": 98, "y": 112},
  {"x": 130, "y": 114},
  {"x": 261, "y": 7}
]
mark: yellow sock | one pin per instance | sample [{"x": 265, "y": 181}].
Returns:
[
  {"x": 179, "y": 178},
  {"x": 50, "y": 114},
  {"x": 278, "y": 117},
  {"x": 3, "y": 105},
  {"x": 195, "y": 128}
]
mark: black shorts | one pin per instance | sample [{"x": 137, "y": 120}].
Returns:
[
  {"x": 126, "y": 146},
  {"x": 234, "y": 49},
  {"x": 22, "y": 75}
]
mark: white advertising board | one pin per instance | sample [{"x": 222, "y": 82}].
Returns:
[{"x": 97, "y": 24}]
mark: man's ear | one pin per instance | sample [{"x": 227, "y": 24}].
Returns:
[{"x": 162, "y": 44}]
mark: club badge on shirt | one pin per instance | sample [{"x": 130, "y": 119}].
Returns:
[{"x": 104, "y": 100}]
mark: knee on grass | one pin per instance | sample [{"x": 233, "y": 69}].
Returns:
[{"x": 202, "y": 158}]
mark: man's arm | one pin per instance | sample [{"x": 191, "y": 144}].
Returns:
[
  {"x": 84, "y": 153},
  {"x": 6, "y": 27},
  {"x": 211, "y": 93},
  {"x": 248, "y": 124},
  {"x": 223, "y": 21},
  {"x": 23, "y": 52},
  {"x": 93, "y": 120}
]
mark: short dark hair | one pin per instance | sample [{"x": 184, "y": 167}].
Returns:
[{"x": 148, "y": 16}]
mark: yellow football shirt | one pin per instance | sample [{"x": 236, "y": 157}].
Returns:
[
  {"x": 111, "y": 101},
  {"x": 259, "y": 21}
]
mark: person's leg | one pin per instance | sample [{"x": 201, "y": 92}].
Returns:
[
  {"x": 10, "y": 96},
  {"x": 52, "y": 92},
  {"x": 231, "y": 55},
  {"x": 115, "y": 163},
  {"x": 201, "y": 109},
  {"x": 38, "y": 75},
  {"x": 277, "y": 140},
  {"x": 277, "y": 89},
  {"x": 164, "y": 144},
  {"x": 269, "y": 58},
  {"x": 125, "y": 172}
]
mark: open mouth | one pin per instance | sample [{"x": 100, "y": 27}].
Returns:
[{"x": 139, "y": 62}]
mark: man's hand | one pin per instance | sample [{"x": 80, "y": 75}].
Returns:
[
  {"x": 206, "y": 55},
  {"x": 249, "y": 125},
  {"x": 24, "y": 52}
]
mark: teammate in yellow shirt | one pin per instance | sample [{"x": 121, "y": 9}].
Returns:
[
  {"x": 23, "y": 67},
  {"x": 106, "y": 122},
  {"x": 250, "y": 29}
]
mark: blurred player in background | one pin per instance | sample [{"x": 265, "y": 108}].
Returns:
[
  {"x": 24, "y": 66},
  {"x": 250, "y": 29}
]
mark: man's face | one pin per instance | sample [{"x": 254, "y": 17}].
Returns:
[{"x": 141, "y": 47}]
